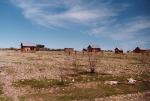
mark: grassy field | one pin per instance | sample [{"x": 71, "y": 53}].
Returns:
[{"x": 57, "y": 76}]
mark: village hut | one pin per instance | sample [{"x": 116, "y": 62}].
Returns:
[
  {"x": 93, "y": 48},
  {"x": 139, "y": 50},
  {"x": 118, "y": 51},
  {"x": 28, "y": 47}
]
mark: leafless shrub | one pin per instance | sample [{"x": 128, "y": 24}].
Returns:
[{"x": 92, "y": 60}]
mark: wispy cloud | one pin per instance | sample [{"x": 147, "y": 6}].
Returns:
[
  {"x": 129, "y": 34},
  {"x": 127, "y": 30},
  {"x": 60, "y": 13}
]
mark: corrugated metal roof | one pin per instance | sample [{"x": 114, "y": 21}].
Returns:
[{"x": 28, "y": 44}]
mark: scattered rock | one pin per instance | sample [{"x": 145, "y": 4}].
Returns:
[
  {"x": 111, "y": 82},
  {"x": 131, "y": 81}
]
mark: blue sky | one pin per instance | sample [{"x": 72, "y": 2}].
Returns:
[{"x": 75, "y": 23}]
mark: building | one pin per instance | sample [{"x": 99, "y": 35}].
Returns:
[
  {"x": 118, "y": 51},
  {"x": 69, "y": 50},
  {"x": 28, "y": 47},
  {"x": 139, "y": 50},
  {"x": 93, "y": 48}
]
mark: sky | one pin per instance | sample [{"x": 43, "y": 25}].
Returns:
[{"x": 75, "y": 23}]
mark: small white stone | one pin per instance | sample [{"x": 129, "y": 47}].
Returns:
[
  {"x": 111, "y": 82},
  {"x": 131, "y": 81}
]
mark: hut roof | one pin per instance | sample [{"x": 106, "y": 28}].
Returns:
[
  {"x": 28, "y": 44},
  {"x": 118, "y": 48},
  {"x": 137, "y": 48}
]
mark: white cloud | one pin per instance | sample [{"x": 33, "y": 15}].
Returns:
[
  {"x": 124, "y": 31},
  {"x": 60, "y": 13}
]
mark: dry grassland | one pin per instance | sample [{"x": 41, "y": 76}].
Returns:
[{"x": 56, "y": 76}]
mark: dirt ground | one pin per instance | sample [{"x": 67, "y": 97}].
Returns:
[{"x": 57, "y": 76}]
